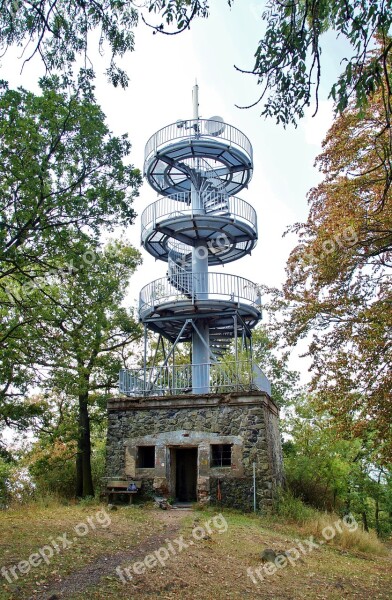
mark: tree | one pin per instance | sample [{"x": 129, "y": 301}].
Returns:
[
  {"x": 82, "y": 341},
  {"x": 338, "y": 276},
  {"x": 317, "y": 460},
  {"x": 289, "y": 55},
  {"x": 288, "y": 59},
  {"x": 332, "y": 471},
  {"x": 284, "y": 382},
  {"x": 61, "y": 172},
  {"x": 63, "y": 179},
  {"x": 60, "y": 32}
]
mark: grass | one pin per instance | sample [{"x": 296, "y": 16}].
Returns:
[
  {"x": 26, "y": 530},
  {"x": 295, "y": 516},
  {"x": 352, "y": 564},
  {"x": 346, "y": 534}
]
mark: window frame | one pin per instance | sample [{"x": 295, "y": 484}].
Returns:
[
  {"x": 141, "y": 458},
  {"x": 218, "y": 459}
]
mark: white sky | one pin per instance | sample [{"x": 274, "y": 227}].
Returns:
[{"x": 162, "y": 73}]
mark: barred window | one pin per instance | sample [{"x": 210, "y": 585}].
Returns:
[
  {"x": 221, "y": 455},
  {"x": 146, "y": 457}
]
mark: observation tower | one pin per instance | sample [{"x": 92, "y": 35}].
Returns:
[{"x": 198, "y": 167}]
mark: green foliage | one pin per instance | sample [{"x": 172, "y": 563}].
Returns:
[
  {"x": 63, "y": 326},
  {"x": 337, "y": 292},
  {"x": 51, "y": 464},
  {"x": 292, "y": 509},
  {"x": 284, "y": 381},
  {"x": 332, "y": 472},
  {"x": 317, "y": 461},
  {"x": 59, "y": 31},
  {"x": 60, "y": 170},
  {"x": 5, "y": 482},
  {"x": 289, "y": 56},
  {"x": 52, "y": 468},
  {"x": 82, "y": 336},
  {"x": 62, "y": 180},
  {"x": 178, "y": 13},
  {"x": 82, "y": 339}
]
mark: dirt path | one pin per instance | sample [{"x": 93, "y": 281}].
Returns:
[
  {"x": 105, "y": 566},
  {"x": 204, "y": 560}
]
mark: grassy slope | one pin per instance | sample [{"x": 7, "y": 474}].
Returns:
[{"x": 215, "y": 567}]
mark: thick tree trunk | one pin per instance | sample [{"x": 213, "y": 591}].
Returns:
[{"x": 84, "y": 478}]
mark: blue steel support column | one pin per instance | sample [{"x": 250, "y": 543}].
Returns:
[{"x": 200, "y": 343}]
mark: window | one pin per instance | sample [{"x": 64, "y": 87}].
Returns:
[
  {"x": 146, "y": 457},
  {"x": 221, "y": 455}
]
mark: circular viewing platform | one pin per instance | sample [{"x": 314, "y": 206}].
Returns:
[
  {"x": 171, "y": 300},
  {"x": 199, "y": 148},
  {"x": 228, "y": 225}
]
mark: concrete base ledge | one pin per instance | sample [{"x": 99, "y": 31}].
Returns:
[{"x": 254, "y": 398}]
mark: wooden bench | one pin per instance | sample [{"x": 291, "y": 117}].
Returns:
[{"x": 120, "y": 486}]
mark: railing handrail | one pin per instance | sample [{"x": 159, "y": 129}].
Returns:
[
  {"x": 222, "y": 285},
  {"x": 164, "y": 379},
  {"x": 196, "y": 129},
  {"x": 167, "y": 205}
]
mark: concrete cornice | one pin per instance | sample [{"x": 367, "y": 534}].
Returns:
[{"x": 252, "y": 398}]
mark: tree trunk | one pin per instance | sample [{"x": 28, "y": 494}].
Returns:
[
  {"x": 377, "y": 504},
  {"x": 348, "y": 499},
  {"x": 83, "y": 462},
  {"x": 377, "y": 516},
  {"x": 364, "y": 521},
  {"x": 79, "y": 471}
]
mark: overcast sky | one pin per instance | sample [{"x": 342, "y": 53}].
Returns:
[{"x": 163, "y": 70}]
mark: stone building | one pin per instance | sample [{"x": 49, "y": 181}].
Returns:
[
  {"x": 198, "y": 448},
  {"x": 199, "y": 431}
]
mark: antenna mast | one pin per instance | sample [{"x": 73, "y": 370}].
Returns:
[{"x": 195, "y": 98}]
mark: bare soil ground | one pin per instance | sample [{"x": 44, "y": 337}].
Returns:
[{"x": 200, "y": 558}]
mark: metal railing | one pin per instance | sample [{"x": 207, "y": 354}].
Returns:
[
  {"x": 214, "y": 286},
  {"x": 196, "y": 129},
  {"x": 178, "y": 205},
  {"x": 172, "y": 380}
]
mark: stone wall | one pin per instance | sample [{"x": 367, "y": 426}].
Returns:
[{"x": 249, "y": 423}]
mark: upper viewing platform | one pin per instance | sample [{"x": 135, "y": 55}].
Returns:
[{"x": 207, "y": 153}]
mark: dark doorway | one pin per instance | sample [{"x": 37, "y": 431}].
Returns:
[{"x": 186, "y": 474}]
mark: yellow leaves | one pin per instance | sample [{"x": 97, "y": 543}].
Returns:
[{"x": 337, "y": 277}]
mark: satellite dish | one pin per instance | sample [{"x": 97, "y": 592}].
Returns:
[{"x": 215, "y": 126}]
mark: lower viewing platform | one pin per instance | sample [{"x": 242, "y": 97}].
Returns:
[{"x": 240, "y": 376}]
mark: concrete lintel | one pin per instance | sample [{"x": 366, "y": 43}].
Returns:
[{"x": 182, "y": 438}]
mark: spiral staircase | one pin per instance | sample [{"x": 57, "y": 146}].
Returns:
[{"x": 198, "y": 167}]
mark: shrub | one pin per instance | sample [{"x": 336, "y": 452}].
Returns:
[
  {"x": 292, "y": 509},
  {"x": 5, "y": 483},
  {"x": 53, "y": 470}
]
